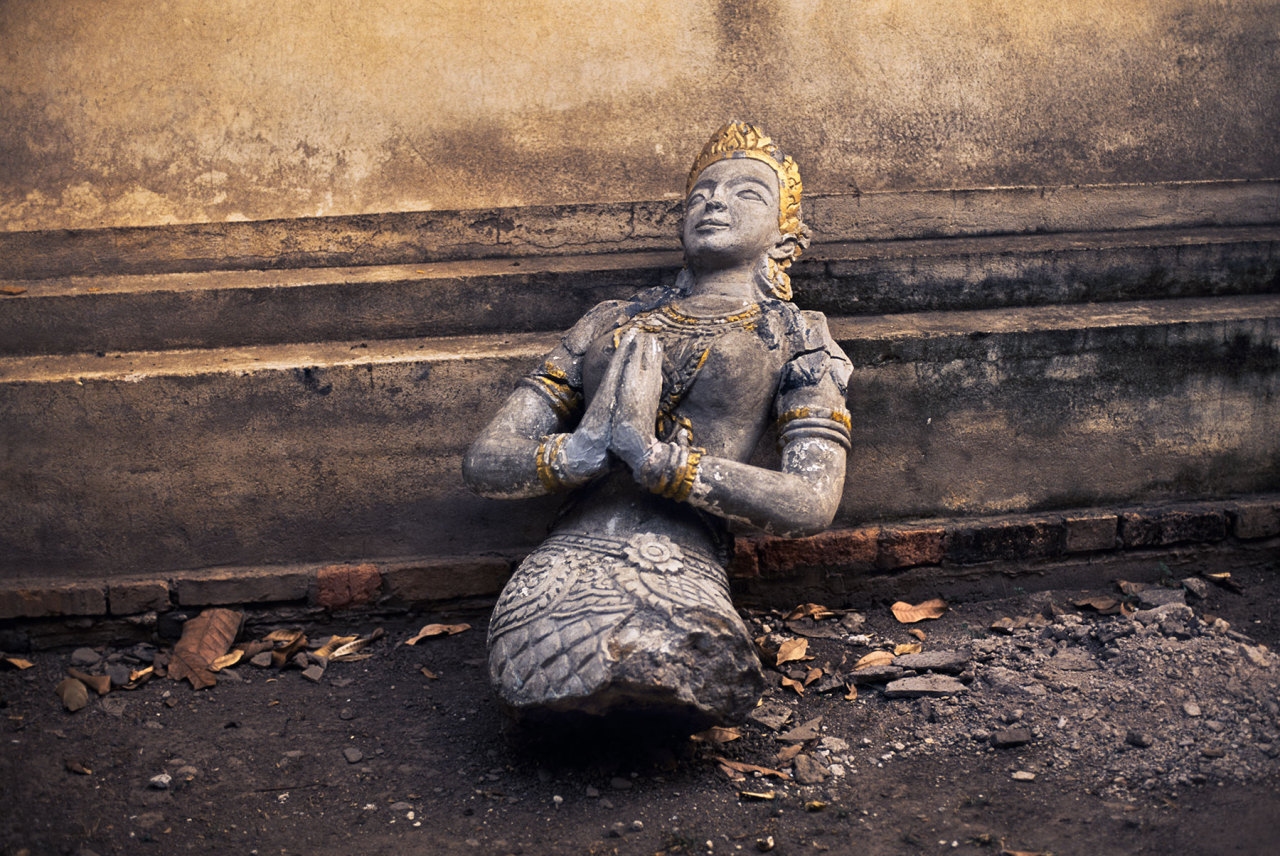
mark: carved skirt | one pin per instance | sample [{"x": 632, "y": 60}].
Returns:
[{"x": 593, "y": 625}]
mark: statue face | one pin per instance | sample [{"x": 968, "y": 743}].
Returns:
[{"x": 731, "y": 216}]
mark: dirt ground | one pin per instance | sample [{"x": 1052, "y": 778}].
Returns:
[{"x": 1078, "y": 733}]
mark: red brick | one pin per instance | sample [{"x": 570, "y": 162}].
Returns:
[
  {"x": 1089, "y": 532},
  {"x": 838, "y": 548},
  {"x": 1255, "y": 518},
  {"x": 339, "y": 586},
  {"x": 36, "y": 601},
  {"x": 442, "y": 579},
  {"x": 130, "y": 597},
  {"x": 1139, "y": 529},
  {"x": 908, "y": 546},
  {"x": 1009, "y": 539},
  {"x": 1159, "y": 527},
  {"x": 745, "y": 563}
]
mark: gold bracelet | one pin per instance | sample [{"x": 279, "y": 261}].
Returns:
[{"x": 545, "y": 463}]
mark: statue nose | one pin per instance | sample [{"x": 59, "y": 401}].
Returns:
[{"x": 717, "y": 203}]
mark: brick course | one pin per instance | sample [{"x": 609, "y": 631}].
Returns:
[
  {"x": 37, "y": 601},
  {"x": 1255, "y": 519},
  {"x": 248, "y": 585},
  {"x": 130, "y": 597},
  {"x": 838, "y": 549}
]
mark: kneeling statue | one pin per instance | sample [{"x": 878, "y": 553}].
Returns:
[{"x": 647, "y": 414}]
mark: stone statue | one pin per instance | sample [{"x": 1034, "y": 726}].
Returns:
[{"x": 647, "y": 414}]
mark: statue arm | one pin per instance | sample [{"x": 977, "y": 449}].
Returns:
[
  {"x": 801, "y": 499},
  {"x": 502, "y": 462},
  {"x": 542, "y": 439}
]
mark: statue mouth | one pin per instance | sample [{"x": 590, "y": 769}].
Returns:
[{"x": 711, "y": 224}]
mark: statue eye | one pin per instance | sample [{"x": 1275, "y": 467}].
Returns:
[{"x": 753, "y": 195}]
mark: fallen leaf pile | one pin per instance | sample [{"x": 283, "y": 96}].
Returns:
[{"x": 208, "y": 646}]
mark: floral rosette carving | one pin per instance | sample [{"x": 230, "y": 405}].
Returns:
[{"x": 648, "y": 552}]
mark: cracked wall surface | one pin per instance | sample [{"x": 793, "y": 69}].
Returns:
[{"x": 186, "y": 112}]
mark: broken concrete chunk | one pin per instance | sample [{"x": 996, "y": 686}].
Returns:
[
  {"x": 1160, "y": 596},
  {"x": 1007, "y": 738},
  {"x": 949, "y": 662},
  {"x": 803, "y": 732},
  {"x": 771, "y": 715},
  {"x": 926, "y": 686},
  {"x": 875, "y": 674},
  {"x": 809, "y": 771}
]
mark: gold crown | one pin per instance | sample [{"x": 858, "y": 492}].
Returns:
[{"x": 744, "y": 140}]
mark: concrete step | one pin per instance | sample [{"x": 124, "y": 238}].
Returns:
[
  {"x": 147, "y": 461},
  {"x": 263, "y": 307}
]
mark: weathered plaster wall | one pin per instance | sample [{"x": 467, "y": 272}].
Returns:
[{"x": 142, "y": 114}]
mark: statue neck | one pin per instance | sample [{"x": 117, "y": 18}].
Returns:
[{"x": 738, "y": 281}]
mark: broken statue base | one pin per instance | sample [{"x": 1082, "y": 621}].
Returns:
[{"x": 596, "y": 625}]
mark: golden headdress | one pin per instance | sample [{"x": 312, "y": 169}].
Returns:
[{"x": 743, "y": 140}]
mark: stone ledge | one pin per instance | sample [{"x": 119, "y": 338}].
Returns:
[
  {"x": 613, "y": 227},
  {"x": 111, "y": 313}
]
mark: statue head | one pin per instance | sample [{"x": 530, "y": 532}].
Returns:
[{"x": 738, "y": 140}]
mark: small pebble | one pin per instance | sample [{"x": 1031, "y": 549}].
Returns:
[
  {"x": 160, "y": 782},
  {"x": 352, "y": 754}
]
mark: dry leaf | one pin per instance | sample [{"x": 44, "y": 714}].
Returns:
[
  {"x": 12, "y": 290},
  {"x": 907, "y": 648},
  {"x": 228, "y": 659},
  {"x": 908, "y": 614},
  {"x": 809, "y": 610},
  {"x": 74, "y": 695},
  {"x": 787, "y": 754},
  {"x": 716, "y": 734},
  {"x": 254, "y": 648},
  {"x": 742, "y": 767},
  {"x": 1224, "y": 579},
  {"x": 1131, "y": 588},
  {"x": 205, "y": 638},
  {"x": 138, "y": 677},
  {"x": 431, "y": 630},
  {"x": 1004, "y": 852},
  {"x": 349, "y": 652},
  {"x": 76, "y": 767},
  {"x": 814, "y": 805},
  {"x": 427, "y": 673},
  {"x": 791, "y": 684},
  {"x": 335, "y": 642},
  {"x": 17, "y": 662},
  {"x": 812, "y": 675},
  {"x": 792, "y": 650},
  {"x": 288, "y": 643},
  {"x": 101, "y": 684},
  {"x": 875, "y": 658},
  {"x": 853, "y": 692},
  {"x": 917, "y": 632},
  {"x": 1103, "y": 605},
  {"x": 757, "y": 795}
]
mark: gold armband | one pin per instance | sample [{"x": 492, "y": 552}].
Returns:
[
  {"x": 553, "y": 384},
  {"x": 835, "y": 425}
]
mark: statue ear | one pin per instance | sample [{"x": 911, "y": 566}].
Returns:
[{"x": 788, "y": 247}]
